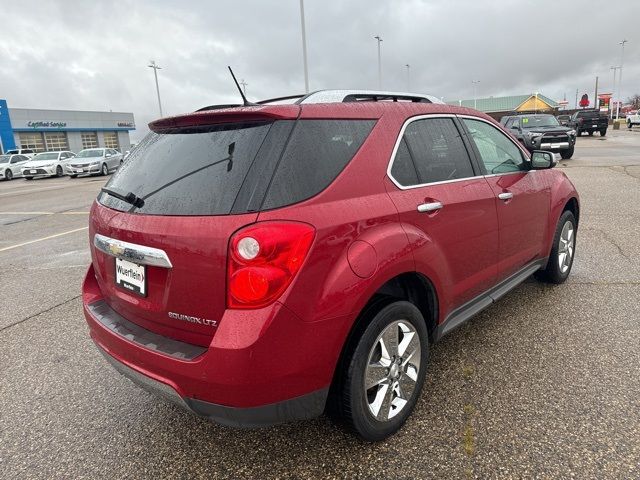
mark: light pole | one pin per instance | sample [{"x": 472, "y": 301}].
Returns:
[
  {"x": 304, "y": 48},
  {"x": 408, "y": 77},
  {"x": 379, "y": 40},
  {"x": 613, "y": 96},
  {"x": 620, "y": 79},
  {"x": 152, "y": 64},
  {"x": 535, "y": 102},
  {"x": 475, "y": 93},
  {"x": 244, "y": 86}
]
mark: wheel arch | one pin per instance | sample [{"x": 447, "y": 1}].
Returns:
[{"x": 410, "y": 286}]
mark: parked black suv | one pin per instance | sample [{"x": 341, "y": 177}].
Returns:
[
  {"x": 542, "y": 132},
  {"x": 589, "y": 121}
]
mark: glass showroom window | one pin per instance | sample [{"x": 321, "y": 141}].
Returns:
[
  {"x": 89, "y": 140},
  {"x": 111, "y": 140},
  {"x": 33, "y": 141},
  {"x": 56, "y": 141}
]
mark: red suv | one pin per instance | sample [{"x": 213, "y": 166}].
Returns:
[{"x": 268, "y": 263}]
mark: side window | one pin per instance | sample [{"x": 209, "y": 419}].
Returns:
[
  {"x": 498, "y": 153},
  {"x": 437, "y": 150},
  {"x": 403, "y": 170}
]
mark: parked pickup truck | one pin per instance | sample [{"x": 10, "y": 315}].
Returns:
[
  {"x": 633, "y": 119},
  {"x": 589, "y": 121}
]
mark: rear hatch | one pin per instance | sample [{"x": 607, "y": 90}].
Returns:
[
  {"x": 194, "y": 186},
  {"x": 187, "y": 187}
]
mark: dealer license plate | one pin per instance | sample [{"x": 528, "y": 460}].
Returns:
[{"x": 131, "y": 276}]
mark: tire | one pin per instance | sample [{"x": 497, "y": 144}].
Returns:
[
  {"x": 578, "y": 132},
  {"x": 356, "y": 404},
  {"x": 73, "y": 176},
  {"x": 629, "y": 125},
  {"x": 8, "y": 175},
  {"x": 59, "y": 172},
  {"x": 568, "y": 153},
  {"x": 603, "y": 133},
  {"x": 554, "y": 272},
  {"x": 591, "y": 133},
  {"x": 104, "y": 171}
]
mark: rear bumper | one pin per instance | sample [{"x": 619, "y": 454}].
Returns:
[
  {"x": 262, "y": 367},
  {"x": 304, "y": 407}
]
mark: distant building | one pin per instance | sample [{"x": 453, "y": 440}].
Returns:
[
  {"x": 499, "y": 106},
  {"x": 46, "y": 130}
]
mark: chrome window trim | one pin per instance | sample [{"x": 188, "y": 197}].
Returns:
[
  {"x": 397, "y": 145},
  {"x": 442, "y": 182},
  {"x": 132, "y": 252}
]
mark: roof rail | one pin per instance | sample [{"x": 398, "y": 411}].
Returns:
[{"x": 340, "y": 96}]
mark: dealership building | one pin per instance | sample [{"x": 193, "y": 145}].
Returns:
[{"x": 46, "y": 130}]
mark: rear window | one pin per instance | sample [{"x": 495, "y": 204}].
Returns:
[
  {"x": 188, "y": 172},
  {"x": 316, "y": 153},
  {"x": 229, "y": 168}
]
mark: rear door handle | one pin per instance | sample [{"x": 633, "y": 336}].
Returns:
[
  {"x": 505, "y": 196},
  {"x": 429, "y": 207}
]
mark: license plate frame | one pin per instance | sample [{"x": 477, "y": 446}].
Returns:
[{"x": 126, "y": 276}]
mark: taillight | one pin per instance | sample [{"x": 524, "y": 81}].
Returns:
[{"x": 263, "y": 260}]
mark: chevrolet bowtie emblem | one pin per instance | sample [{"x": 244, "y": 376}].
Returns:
[{"x": 116, "y": 249}]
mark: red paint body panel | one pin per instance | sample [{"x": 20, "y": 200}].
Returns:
[{"x": 367, "y": 231}]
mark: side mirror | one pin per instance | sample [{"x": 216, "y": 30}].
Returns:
[
  {"x": 541, "y": 160},
  {"x": 108, "y": 155},
  {"x": 514, "y": 127}
]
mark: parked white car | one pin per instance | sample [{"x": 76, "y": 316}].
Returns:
[
  {"x": 47, "y": 164},
  {"x": 11, "y": 166},
  {"x": 21, "y": 151},
  {"x": 633, "y": 119},
  {"x": 94, "y": 161}
]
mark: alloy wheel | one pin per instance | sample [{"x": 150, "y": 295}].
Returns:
[
  {"x": 8, "y": 174},
  {"x": 566, "y": 247},
  {"x": 392, "y": 370}
]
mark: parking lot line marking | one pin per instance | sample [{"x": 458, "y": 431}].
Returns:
[
  {"x": 42, "y": 239},
  {"x": 44, "y": 213},
  {"x": 22, "y": 191}
]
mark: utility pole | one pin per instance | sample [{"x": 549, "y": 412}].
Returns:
[
  {"x": 379, "y": 39},
  {"x": 304, "y": 48},
  {"x": 408, "y": 77},
  {"x": 576, "y": 99},
  {"x": 475, "y": 93},
  {"x": 152, "y": 64},
  {"x": 535, "y": 102},
  {"x": 595, "y": 96},
  {"x": 620, "y": 79},
  {"x": 244, "y": 86},
  {"x": 613, "y": 94}
]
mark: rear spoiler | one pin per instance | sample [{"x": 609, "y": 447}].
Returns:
[{"x": 226, "y": 115}]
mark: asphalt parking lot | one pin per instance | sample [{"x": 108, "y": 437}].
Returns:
[{"x": 544, "y": 384}]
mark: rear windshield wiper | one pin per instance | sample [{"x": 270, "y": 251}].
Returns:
[{"x": 131, "y": 198}]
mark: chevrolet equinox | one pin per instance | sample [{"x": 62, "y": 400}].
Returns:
[{"x": 268, "y": 263}]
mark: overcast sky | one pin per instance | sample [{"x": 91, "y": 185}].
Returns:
[{"x": 94, "y": 55}]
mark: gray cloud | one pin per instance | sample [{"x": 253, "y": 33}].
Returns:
[{"x": 94, "y": 56}]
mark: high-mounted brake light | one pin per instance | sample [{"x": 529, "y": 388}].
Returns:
[{"x": 263, "y": 260}]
